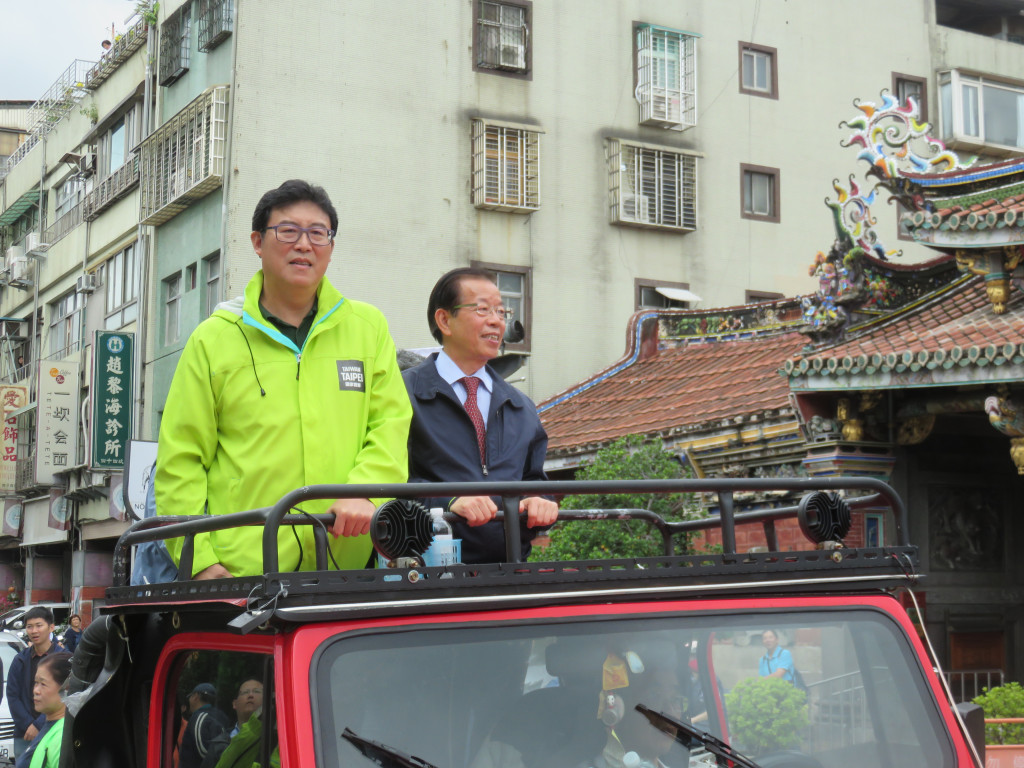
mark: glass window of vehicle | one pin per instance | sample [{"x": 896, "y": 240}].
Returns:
[
  {"x": 217, "y": 692},
  {"x": 542, "y": 695}
]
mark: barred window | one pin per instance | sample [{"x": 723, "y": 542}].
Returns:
[
  {"x": 503, "y": 36},
  {"x": 214, "y": 23},
  {"x": 65, "y": 325},
  {"x": 650, "y": 186},
  {"x": 666, "y": 77},
  {"x": 175, "y": 45},
  {"x": 506, "y": 167}
]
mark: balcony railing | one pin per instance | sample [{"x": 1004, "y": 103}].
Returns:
[
  {"x": 120, "y": 52},
  {"x": 64, "y": 224},
  {"x": 183, "y": 160},
  {"x": 59, "y": 99},
  {"x": 113, "y": 188}
]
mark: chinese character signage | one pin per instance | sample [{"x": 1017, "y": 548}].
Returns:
[
  {"x": 111, "y": 399},
  {"x": 11, "y": 398},
  {"x": 57, "y": 421}
]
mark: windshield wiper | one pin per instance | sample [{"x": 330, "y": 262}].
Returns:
[
  {"x": 714, "y": 745},
  {"x": 382, "y": 754}
]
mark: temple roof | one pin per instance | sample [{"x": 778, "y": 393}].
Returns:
[
  {"x": 682, "y": 389},
  {"x": 950, "y": 336}
]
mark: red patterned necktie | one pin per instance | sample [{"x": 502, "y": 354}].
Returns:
[{"x": 471, "y": 383}]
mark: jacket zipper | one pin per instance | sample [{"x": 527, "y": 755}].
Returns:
[{"x": 298, "y": 364}]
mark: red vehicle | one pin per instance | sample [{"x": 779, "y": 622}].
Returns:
[{"x": 660, "y": 662}]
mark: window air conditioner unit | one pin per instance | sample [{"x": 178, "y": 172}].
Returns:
[
  {"x": 636, "y": 208},
  {"x": 34, "y": 243},
  {"x": 88, "y": 163},
  {"x": 86, "y": 283}
]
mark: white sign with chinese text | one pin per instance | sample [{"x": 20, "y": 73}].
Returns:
[{"x": 57, "y": 420}]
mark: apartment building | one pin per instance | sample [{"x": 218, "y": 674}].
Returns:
[{"x": 597, "y": 155}]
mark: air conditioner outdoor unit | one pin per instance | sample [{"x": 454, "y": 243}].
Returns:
[
  {"x": 86, "y": 283},
  {"x": 34, "y": 243},
  {"x": 88, "y": 163},
  {"x": 21, "y": 271},
  {"x": 636, "y": 208},
  {"x": 14, "y": 252}
]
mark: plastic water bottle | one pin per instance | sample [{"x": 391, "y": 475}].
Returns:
[{"x": 445, "y": 549}]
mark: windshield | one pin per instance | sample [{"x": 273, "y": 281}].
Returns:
[{"x": 842, "y": 688}]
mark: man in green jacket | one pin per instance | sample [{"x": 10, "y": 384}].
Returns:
[{"x": 291, "y": 386}]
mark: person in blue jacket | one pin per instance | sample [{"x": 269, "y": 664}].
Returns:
[
  {"x": 73, "y": 633},
  {"x": 20, "y": 679},
  {"x": 776, "y": 662},
  {"x": 468, "y": 424}
]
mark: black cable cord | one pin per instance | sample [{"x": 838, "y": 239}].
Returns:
[
  {"x": 298, "y": 544},
  {"x": 321, "y": 524},
  {"x": 263, "y": 392}
]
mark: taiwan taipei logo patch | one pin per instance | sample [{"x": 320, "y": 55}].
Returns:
[{"x": 350, "y": 375}]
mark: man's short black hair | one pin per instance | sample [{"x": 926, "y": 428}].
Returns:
[
  {"x": 39, "y": 612},
  {"x": 446, "y": 294},
  {"x": 292, "y": 191}
]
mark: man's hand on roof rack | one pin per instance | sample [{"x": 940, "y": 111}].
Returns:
[
  {"x": 476, "y": 509},
  {"x": 540, "y": 512},
  {"x": 215, "y": 571},
  {"x": 352, "y": 517}
]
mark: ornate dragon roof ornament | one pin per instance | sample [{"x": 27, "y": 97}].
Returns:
[{"x": 893, "y": 142}]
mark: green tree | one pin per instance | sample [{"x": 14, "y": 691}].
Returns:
[
  {"x": 766, "y": 714},
  {"x": 1003, "y": 701},
  {"x": 628, "y": 458}
]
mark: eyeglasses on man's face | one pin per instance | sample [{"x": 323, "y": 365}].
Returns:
[
  {"x": 483, "y": 310},
  {"x": 290, "y": 233}
]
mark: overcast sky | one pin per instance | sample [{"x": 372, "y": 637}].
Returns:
[{"x": 43, "y": 37}]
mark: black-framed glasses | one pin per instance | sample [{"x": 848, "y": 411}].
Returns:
[
  {"x": 483, "y": 310},
  {"x": 290, "y": 233}
]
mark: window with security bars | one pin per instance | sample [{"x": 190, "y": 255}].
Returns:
[
  {"x": 214, "y": 23},
  {"x": 502, "y": 36},
  {"x": 666, "y": 77},
  {"x": 506, "y": 168},
  {"x": 652, "y": 187},
  {"x": 175, "y": 45},
  {"x": 183, "y": 160}
]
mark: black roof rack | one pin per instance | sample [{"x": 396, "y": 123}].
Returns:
[{"x": 321, "y": 594}]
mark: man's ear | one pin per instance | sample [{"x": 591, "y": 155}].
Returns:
[
  {"x": 442, "y": 318},
  {"x": 257, "y": 243}
]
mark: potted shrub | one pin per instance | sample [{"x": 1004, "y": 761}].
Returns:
[
  {"x": 766, "y": 714},
  {"x": 1004, "y": 742}
]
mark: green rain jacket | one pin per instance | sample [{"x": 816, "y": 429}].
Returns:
[{"x": 250, "y": 417}]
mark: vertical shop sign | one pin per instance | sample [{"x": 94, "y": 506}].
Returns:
[
  {"x": 11, "y": 399},
  {"x": 57, "y": 420},
  {"x": 112, "y": 393}
]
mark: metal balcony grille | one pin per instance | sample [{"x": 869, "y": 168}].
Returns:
[
  {"x": 59, "y": 99},
  {"x": 183, "y": 160},
  {"x": 506, "y": 168},
  {"x": 666, "y": 77},
  {"x": 120, "y": 52},
  {"x": 113, "y": 188},
  {"x": 175, "y": 45},
  {"x": 62, "y": 226},
  {"x": 24, "y": 474},
  {"x": 652, "y": 187},
  {"x": 214, "y": 23}
]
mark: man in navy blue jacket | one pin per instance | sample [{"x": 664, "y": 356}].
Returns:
[
  {"x": 22, "y": 674},
  {"x": 468, "y": 425}
]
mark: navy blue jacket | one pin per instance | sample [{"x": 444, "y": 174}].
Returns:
[
  {"x": 443, "y": 448},
  {"x": 19, "y": 690}
]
